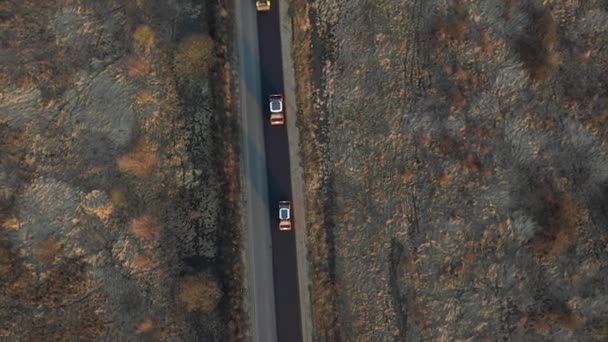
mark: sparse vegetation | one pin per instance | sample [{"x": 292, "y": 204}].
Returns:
[
  {"x": 455, "y": 168},
  {"x": 104, "y": 157}
]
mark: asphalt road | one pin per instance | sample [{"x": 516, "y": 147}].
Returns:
[
  {"x": 258, "y": 247},
  {"x": 287, "y": 302}
]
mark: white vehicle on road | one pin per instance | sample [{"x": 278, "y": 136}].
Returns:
[
  {"x": 275, "y": 102},
  {"x": 284, "y": 215}
]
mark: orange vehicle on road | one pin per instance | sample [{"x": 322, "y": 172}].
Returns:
[{"x": 262, "y": 5}]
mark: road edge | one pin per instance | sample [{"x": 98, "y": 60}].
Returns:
[{"x": 296, "y": 171}]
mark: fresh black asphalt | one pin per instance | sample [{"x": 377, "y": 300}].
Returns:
[{"x": 284, "y": 262}]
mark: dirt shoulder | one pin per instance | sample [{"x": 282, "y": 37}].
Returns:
[
  {"x": 455, "y": 168},
  {"x": 297, "y": 173}
]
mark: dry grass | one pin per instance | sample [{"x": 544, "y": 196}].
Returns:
[
  {"x": 199, "y": 293},
  {"x": 11, "y": 223},
  {"x": 104, "y": 212},
  {"x": 145, "y": 227},
  {"x": 194, "y": 56},
  {"x": 144, "y": 97},
  {"x": 323, "y": 291},
  {"x": 144, "y": 37},
  {"x": 141, "y": 161},
  {"x": 228, "y": 85}
]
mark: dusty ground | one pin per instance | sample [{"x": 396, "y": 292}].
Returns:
[
  {"x": 463, "y": 184},
  {"x": 117, "y": 172}
]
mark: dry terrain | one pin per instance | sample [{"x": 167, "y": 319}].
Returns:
[
  {"x": 456, "y": 160},
  {"x": 118, "y": 174}
]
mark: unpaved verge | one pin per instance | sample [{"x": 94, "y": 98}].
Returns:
[
  {"x": 322, "y": 290},
  {"x": 297, "y": 179}
]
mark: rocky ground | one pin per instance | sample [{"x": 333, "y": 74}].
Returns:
[
  {"x": 118, "y": 172},
  {"x": 463, "y": 184}
]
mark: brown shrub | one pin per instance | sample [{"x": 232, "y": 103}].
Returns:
[
  {"x": 118, "y": 198},
  {"x": 510, "y": 7},
  {"x": 583, "y": 56},
  {"x": 561, "y": 232},
  {"x": 141, "y": 161},
  {"x": 145, "y": 37},
  {"x": 201, "y": 293},
  {"x": 144, "y": 227},
  {"x": 6, "y": 259},
  {"x": 142, "y": 262},
  {"x": 457, "y": 99},
  {"x": 452, "y": 30},
  {"x": 138, "y": 66},
  {"x": 194, "y": 56},
  {"x": 538, "y": 47},
  {"x": 144, "y": 326},
  {"x": 444, "y": 180},
  {"x": 144, "y": 97},
  {"x": 471, "y": 163},
  {"x": 488, "y": 44},
  {"x": 46, "y": 251}
]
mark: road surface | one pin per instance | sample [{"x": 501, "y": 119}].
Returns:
[
  {"x": 256, "y": 226},
  {"x": 287, "y": 299}
]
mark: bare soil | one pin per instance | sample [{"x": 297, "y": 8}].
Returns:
[
  {"x": 118, "y": 173},
  {"x": 457, "y": 168}
]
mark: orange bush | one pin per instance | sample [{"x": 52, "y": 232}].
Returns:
[
  {"x": 47, "y": 250},
  {"x": 144, "y": 37},
  {"x": 118, "y": 198},
  {"x": 144, "y": 326},
  {"x": 10, "y": 223},
  {"x": 144, "y": 227},
  {"x": 142, "y": 262},
  {"x": 141, "y": 161},
  {"x": 138, "y": 66}
]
